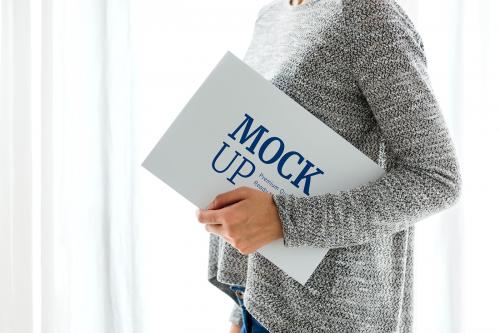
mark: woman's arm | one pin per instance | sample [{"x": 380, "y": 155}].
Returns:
[
  {"x": 235, "y": 316},
  {"x": 389, "y": 66},
  {"x": 235, "y": 328}
]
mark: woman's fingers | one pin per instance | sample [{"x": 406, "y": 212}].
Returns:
[
  {"x": 209, "y": 216},
  {"x": 230, "y": 197},
  {"x": 216, "y": 229}
]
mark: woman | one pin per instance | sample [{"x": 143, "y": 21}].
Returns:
[{"x": 358, "y": 66}]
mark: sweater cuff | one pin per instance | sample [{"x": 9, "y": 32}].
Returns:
[{"x": 291, "y": 233}]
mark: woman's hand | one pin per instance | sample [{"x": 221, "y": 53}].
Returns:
[
  {"x": 235, "y": 328},
  {"x": 245, "y": 217}
]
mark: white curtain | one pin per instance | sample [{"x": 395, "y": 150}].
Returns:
[
  {"x": 90, "y": 242},
  {"x": 67, "y": 168}
]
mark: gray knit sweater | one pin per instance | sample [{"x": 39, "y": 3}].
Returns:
[{"x": 358, "y": 66}]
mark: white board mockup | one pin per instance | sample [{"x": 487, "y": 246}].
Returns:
[{"x": 238, "y": 129}]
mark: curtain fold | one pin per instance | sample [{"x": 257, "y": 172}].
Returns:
[
  {"x": 88, "y": 241},
  {"x": 15, "y": 167},
  {"x": 66, "y": 103}
]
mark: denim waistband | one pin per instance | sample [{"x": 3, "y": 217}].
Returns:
[{"x": 238, "y": 290}]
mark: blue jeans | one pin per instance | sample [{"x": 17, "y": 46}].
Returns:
[{"x": 249, "y": 323}]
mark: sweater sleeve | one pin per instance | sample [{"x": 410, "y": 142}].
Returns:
[
  {"x": 422, "y": 175},
  {"x": 235, "y": 316}
]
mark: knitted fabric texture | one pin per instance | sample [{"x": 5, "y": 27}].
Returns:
[{"x": 358, "y": 66}]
